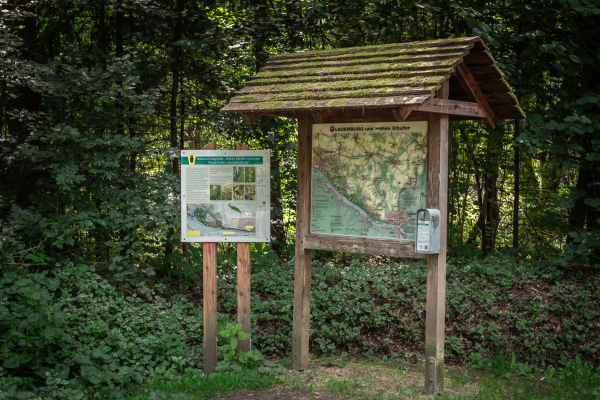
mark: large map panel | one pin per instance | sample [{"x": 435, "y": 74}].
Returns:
[{"x": 368, "y": 179}]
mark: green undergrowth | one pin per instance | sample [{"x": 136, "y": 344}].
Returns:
[
  {"x": 72, "y": 333},
  {"x": 197, "y": 386},
  {"x": 378, "y": 309}
]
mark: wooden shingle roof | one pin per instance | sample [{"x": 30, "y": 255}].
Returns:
[{"x": 382, "y": 76}]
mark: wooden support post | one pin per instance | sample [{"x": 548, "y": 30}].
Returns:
[
  {"x": 209, "y": 289},
  {"x": 437, "y": 192},
  {"x": 209, "y": 281},
  {"x": 243, "y": 284},
  {"x": 302, "y": 273},
  {"x": 471, "y": 88},
  {"x": 243, "y": 297}
]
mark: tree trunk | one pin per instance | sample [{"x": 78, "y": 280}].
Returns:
[
  {"x": 578, "y": 213},
  {"x": 515, "y": 241},
  {"x": 173, "y": 112}
]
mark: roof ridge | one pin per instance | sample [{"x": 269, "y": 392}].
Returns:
[
  {"x": 365, "y": 61},
  {"x": 362, "y": 49},
  {"x": 355, "y": 56}
]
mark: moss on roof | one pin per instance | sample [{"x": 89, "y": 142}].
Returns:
[
  {"x": 361, "y": 69},
  {"x": 390, "y": 75},
  {"x": 416, "y": 82},
  {"x": 361, "y": 61},
  {"x": 259, "y": 81},
  {"x": 376, "y": 48}
]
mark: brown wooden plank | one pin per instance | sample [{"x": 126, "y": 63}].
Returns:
[
  {"x": 259, "y": 81},
  {"x": 453, "y": 107},
  {"x": 313, "y": 105},
  {"x": 493, "y": 85},
  {"x": 510, "y": 112},
  {"x": 302, "y": 271},
  {"x": 437, "y": 191},
  {"x": 321, "y": 95},
  {"x": 243, "y": 293},
  {"x": 357, "y": 50},
  {"x": 472, "y": 89},
  {"x": 342, "y": 85},
  {"x": 358, "y": 69},
  {"x": 209, "y": 284},
  {"x": 479, "y": 58},
  {"x": 393, "y": 51},
  {"x": 483, "y": 73},
  {"x": 372, "y": 60},
  {"x": 211, "y": 146},
  {"x": 243, "y": 283},
  {"x": 364, "y": 245},
  {"x": 401, "y": 113},
  {"x": 250, "y": 118},
  {"x": 209, "y": 297}
]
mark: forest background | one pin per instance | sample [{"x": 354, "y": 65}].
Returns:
[{"x": 97, "y": 98}]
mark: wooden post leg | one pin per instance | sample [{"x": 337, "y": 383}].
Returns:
[
  {"x": 243, "y": 298},
  {"x": 302, "y": 274},
  {"x": 437, "y": 192},
  {"x": 209, "y": 281}
]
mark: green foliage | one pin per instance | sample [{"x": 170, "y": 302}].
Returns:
[
  {"x": 236, "y": 360},
  {"x": 379, "y": 308},
  {"x": 75, "y": 333}
]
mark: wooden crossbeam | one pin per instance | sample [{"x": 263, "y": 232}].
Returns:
[
  {"x": 363, "y": 245},
  {"x": 470, "y": 86},
  {"x": 319, "y": 116},
  {"x": 452, "y": 107},
  {"x": 250, "y": 118},
  {"x": 401, "y": 113}
]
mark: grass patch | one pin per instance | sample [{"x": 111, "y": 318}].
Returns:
[
  {"x": 399, "y": 380},
  {"x": 195, "y": 385}
]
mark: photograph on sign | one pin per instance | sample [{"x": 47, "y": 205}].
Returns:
[
  {"x": 368, "y": 179},
  {"x": 225, "y": 196}
]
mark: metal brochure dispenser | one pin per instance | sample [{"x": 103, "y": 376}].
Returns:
[{"x": 427, "y": 228}]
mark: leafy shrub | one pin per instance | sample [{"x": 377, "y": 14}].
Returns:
[
  {"x": 78, "y": 332},
  {"x": 496, "y": 302}
]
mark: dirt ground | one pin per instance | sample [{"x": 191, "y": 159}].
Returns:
[{"x": 275, "y": 394}]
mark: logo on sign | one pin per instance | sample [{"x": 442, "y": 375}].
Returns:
[
  {"x": 331, "y": 128},
  {"x": 191, "y": 159}
]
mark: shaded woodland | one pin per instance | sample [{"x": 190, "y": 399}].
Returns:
[{"x": 98, "y": 97}]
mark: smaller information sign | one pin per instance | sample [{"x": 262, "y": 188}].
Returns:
[{"x": 225, "y": 196}]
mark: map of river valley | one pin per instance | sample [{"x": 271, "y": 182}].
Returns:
[{"x": 368, "y": 179}]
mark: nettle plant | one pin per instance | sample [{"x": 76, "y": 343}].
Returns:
[{"x": 236, "y": 360}]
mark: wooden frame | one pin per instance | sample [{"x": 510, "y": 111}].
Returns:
[
  {"x": 209, "y": 296},
  {"x": 351, "y": 244},
  {"x": 468, "y": 69}
]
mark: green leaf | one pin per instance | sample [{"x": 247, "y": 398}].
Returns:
[
  {"x": 233, "y": 343},
  {"x": 23, "y": 282},
  {"x": 11, "y": 362},
  {"x": 473, "y": 23},
  {"x": 49, "y": 332},
  {"x": 243, "y": 335}
]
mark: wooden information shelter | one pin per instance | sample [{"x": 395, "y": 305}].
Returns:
[{"x": 434, "y": 81}]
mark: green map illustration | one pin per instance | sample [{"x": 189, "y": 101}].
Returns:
[{"x": 368, "y": 179}]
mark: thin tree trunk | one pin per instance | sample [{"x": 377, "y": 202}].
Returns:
[
  {"x": 516, "y": 191},
  {"x": 173, "y": 113},
  {"x": 2, "y": 96},
  {"x": 184, "y": 246},
  {"x": 461, "y": 226}
]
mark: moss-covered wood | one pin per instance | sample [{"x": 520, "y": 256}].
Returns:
[{"x": 381, "y": 76}]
